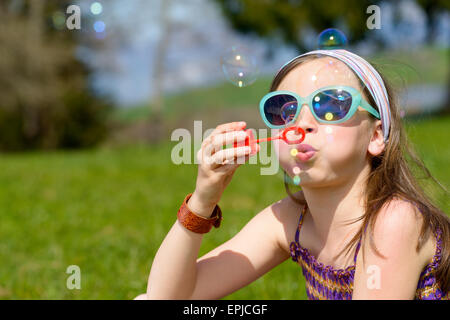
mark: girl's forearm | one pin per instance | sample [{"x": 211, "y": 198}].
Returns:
[{"x": 174, "y": 270}]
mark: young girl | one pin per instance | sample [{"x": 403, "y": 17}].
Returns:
[{"x": 361, "y": 228}]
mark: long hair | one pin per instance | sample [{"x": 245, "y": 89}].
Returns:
[{"x": 391, "y": 176}]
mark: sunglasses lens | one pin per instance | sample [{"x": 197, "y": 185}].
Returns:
[
  {"x": 280, "y": 109},
  {"x": 332, "y": 105}
]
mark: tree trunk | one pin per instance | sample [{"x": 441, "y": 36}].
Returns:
[
  {"x": 33, "y": 45},
  {"x": 157, "y": 104}
]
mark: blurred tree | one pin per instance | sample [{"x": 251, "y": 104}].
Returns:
[
  {"x": 432, "y": 8},
  {"x": 161, "y": 52},
  {"x": 165, "y": 26},
  {"x": 45, "y": 101},
  {"x": 152, "y": 20},
  {"x": 287, "y": 18}
]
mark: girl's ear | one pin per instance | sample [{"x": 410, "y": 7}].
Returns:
[{"x": 376, "y": 144}]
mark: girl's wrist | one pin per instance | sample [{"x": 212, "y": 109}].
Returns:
[{"x": 200, "y": 207}]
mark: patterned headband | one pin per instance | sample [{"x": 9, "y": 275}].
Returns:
[{"x": 368, "y": 75}]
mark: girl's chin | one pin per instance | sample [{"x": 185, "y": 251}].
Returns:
[{"x": 297, "y": 165}]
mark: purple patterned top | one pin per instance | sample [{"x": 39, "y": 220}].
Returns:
[{"x": 327, "y": 283}]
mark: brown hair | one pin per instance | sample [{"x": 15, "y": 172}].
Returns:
[{"x": 391, "y": 177}]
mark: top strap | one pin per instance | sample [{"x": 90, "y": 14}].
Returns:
[
  {"x": 358, "y": 246},
  {"x": 300, "y": 222}
]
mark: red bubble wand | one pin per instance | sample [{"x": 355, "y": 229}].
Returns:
[
  {"x": 292, "y": 139},
  {"x": 291, "y": 135}
]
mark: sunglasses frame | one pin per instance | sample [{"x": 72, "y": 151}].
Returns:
[{"x": 357, "y": 100}]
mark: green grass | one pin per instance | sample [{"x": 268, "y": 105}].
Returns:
[{"x": 108, "y": 210}]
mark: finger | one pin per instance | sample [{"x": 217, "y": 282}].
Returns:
[
  {"x": 229, "y": 155},
  {"x": 243, "y": 159},
  {"x": 233, "y": 164},
  {"x": 208, "y": 149},
  {"x": 228, "y": 138},
  {"x": 239, "y": 160},
  {"x": 215, "y": 143},
  {"x": 226, "y": 127},
  {"x": 255, "y": 149}
]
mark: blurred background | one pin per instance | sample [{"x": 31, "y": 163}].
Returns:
[{"x": 91, "y": 91}]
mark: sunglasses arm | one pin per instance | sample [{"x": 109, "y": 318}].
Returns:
[{"x": 369, "y": 108}]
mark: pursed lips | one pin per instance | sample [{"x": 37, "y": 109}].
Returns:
[{"x": 305, "y": 152}]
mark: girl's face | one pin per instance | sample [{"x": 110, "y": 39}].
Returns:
[{"x": 342, "y": 149}]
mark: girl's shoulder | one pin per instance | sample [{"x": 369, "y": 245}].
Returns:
[
  {"x": 399, "y": 215},
  {"x": 398, "y": 221},
  {"x": 287, "y": 212},
  {"x": 398, "y": 226}
]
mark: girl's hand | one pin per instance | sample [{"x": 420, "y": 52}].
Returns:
[{"x": 216, "y": 166}]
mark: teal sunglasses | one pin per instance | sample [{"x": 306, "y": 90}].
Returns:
[{"x": 330, "y": 105}]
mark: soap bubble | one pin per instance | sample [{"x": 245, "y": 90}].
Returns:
[
  {"x": 99, "y": 26},
  {"x": 332, "y": 39},
  {"x": 96, "y": 8},
  {"x": 294, "y": 152},
  {"x": 239, "y": 66},
  {"x": 330, "y": 138},
  {"x": 59, "y": 20},
  {"x": 292, "y": 181},
  {"x": 329, "y": 134},
  {"x": 288, "y": 111}
]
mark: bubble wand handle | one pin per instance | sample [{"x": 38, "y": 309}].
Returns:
[
  {"x": 267, "y": 139},
  {"x": 292, "y": 139}
]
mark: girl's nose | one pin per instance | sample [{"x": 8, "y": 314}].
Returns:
[{"x": 306, "y": 120}]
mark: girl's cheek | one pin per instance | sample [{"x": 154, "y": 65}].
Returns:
[
  {"x": 329, "y": 135},
  {"x": 338, "y": 143}
]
